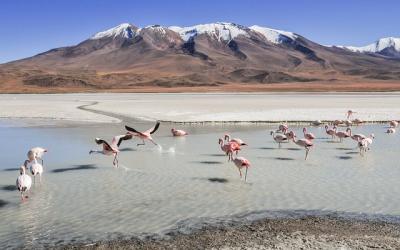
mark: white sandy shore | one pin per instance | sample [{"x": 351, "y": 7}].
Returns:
[{"x": 203, "y": 107}]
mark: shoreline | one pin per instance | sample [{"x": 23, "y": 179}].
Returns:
[{"x": 308, "y": 231}]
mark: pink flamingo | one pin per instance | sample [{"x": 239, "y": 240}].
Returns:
[
  {"x": 337, "y": 122},
  {"x": 283, "y": 128},
  {"x": 229, "y": 148},
  {"x": 307, "y": 144},
  {"x": 330, "y": 131},
  {"x": 146, "y": 135},
  {"x": 349, "y": 113},
  {"x": 113, "y": 148},
  {"x": 358, "y": 121},
  {"x": 240, "y": 163},
  {"x": 343, "y": 134},
  {"x": 178, "y": 132},
  {"x": 23, "y": 183},
  {"x": 279, "y": 138},
  {"x": 348, "y": 123},
  {"x": 393, "y": 124},
  {"x": 236, "y": 140},
  {"x": 309, "y": 136}
]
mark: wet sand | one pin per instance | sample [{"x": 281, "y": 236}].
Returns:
[{"x": 300, "y": 233}]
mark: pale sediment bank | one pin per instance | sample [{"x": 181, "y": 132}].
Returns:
[
  {"x": 202, "y": 108},
  {"x": 310, "y": 232}
]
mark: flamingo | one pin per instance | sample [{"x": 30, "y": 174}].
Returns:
[
  {"x": 349, "y": 113},
  {"x": 282, "y": 128},
  {"x": 36, "y": 153},
  {"x": 111, "y": 149},
  {"x": 337, "y": 122},
  {"x": 23, "y": 183},
  {"x": 391, "y": 131},
  {"x": 357, "y": 137},
  {"x": 36, "y": 169},
  {"x": 362, "y": 145},
  {"x": 178, "y": 132},
  {"x": 316, "y": 123},
  {"x": 330, "y": 131},
  {"x": 279, "y": 138},
  {"x": 305, "y": 143},
  {"x": 358, "y": 121},
  {"x": 240, "y": 163},
  {"x": 236, "y": 140},
  {"x": 229, "y": 148},
  {"x": 309, "y": 136},
  {"x": 348, "y": 123},
  {"x": 146, "y": 135},
  {"x": 393, "y": 124},
  {"x": 343, "y": 134}
]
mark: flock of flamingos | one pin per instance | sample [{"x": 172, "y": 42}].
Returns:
[{"x": 230, "y": 146}]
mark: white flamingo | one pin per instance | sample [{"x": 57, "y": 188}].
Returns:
[
  {"x": 23, "y": 183},
  {"x": 36, "y": 169},
  {"x": 239, "y": 141},
  {"x": 36, "y": 153},
  {"x": 113, "y": 148},
  {"x": 391, "y": 131},
  {"x": 279, "y": 138}
]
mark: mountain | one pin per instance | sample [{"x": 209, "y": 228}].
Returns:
[
  {"x": 388, "y": 46},
  {"x": 215, "y": 55}
]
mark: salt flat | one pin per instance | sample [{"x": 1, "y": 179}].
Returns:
[{"x": 190, "y": 107}]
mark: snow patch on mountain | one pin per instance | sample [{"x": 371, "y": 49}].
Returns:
[
  {"x": 378, "y": 46},
  {"x": 273, "y": 35},
  {"x": 125, "y": 30}
]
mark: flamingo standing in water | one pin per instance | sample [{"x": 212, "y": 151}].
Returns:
[
  {"x": 146, "y": 135},
  {"x": 393, "y": 124},
  {"x": 229, "y": 148},
  {"x": 23, "y": 183},
  {"x": 358, "y": 121},
  {"x": 337, "y": 123},
  {"x": 36, "y": 153},
  {"x": 305, "y": 143},
  {"x": 343, "y": 134},
  {"x": 240, "y": 163},
  {"x": 330, "y": 131},
  {"x": 227, "y": 138},
  {"x": 178, "y": 132},
  {"x": 283, "y": 128},
  {"x": 113, "y": 148},
  {"x": 357, "y": 137},
  {"x": 309, "y": 136},
  {"x": 279, "y": 138},
  {"x": 36, "y": 169},
  {"x": 391, "y": 131},
  {"x": 349, "y": 113}
]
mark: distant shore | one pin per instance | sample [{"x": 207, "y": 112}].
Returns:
[
  {"x": 309, "y": 232},
  {"x": 299, "y": 108}
]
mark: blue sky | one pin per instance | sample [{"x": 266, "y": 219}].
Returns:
[{"x": 30, "y": 27}]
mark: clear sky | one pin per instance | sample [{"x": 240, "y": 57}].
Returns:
[{"x": 30, "y": 27}]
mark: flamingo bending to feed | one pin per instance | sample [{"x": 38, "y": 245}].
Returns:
[
  {"x": 283, "y": 128},
  {"x": 358, "y": 121},
  {"x": 305, "y": 143},
  {"x": 111, "y": 149},
  {"x": 178, "y": 132},
  {"x": 357, "y": 137},
  {"x": 36, "y": 169},
  {"x": 23, "y": 183},
  {"x": 279, "y": 138},
  {"x": 309, "y": 136},
  {"x": 393, "y": 124},
  {"x": 330, "y": 131},
  {"x": 343, "y": 134},
  {"x": 391, "y": 131},
  {"x": 235, "y": 140},
  {"x": 36, "y": 153},
  {"x": 146, "y": 135},
  {"x": 229, "y": 148},
  {"x": 240, "y": 163},
  {"x": 316, "y": 123}
]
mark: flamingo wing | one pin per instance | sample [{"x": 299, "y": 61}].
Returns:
[
  {"x": 153, "y": 129},
  {"x": 133, "y": 130},
  {"x": 105, "y": 144},
  {"x": 117, "y": 140}
]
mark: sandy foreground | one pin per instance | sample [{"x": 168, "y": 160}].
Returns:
[
  {"x": 295, "y": 233},
  {"x": 197, "y": 107}
]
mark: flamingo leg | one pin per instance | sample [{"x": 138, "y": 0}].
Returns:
[
  {"x": 279, "y": 145},
  {"x": 245, "y": 176},
  {"x": 307, "y": 149},
  {"x": 141, "y": 143},
  {"x": 240, "y": 173},
  {"x": 153, "y": 142}
]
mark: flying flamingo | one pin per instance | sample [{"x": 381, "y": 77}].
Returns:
[
  {"x": 23, "y": 183},
  {"x": 330, "y": 131},
  {"x": 393, "y": 124},
  {"x": 391, "y": 131},
  {"x": 178, "y": 132},
  {"x": 349, "y": 113},
  {"x": 305, "y": 143},
  {"x": 229, "y": 148},
  {"x": 343, "y": 134},
  {"x": 240, "y": 163},
  {"x": 36, "y": 153},
  {"x": 36, "y": 169},
  {"x": 309, "y": 136},
  {"x": 146, "y": 135},
  {"x": 279, "y": 138},
  {"x": 111, "y": 149},
  {"x": 236, "y": 140}
]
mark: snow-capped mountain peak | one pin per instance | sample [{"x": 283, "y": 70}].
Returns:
[
  {"x": 273, "y": 35},
  {"x": 222, "y": 31},
  {"x": 378, "y": 46},
  {"x": 125, "y": 30}
]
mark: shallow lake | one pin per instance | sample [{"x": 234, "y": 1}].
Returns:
[{"x": 82, "y": 198}]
